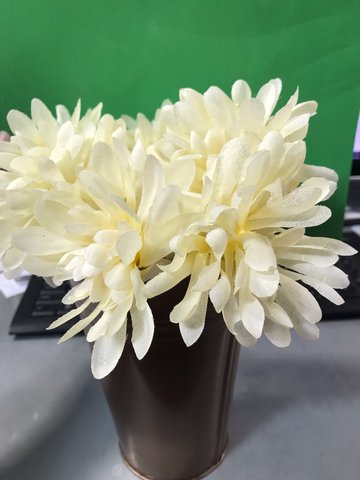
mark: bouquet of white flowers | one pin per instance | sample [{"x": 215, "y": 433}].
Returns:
[{"x": 213, "y": 190}]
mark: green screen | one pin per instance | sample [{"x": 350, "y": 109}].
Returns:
[{"x": 132, "y": 54}]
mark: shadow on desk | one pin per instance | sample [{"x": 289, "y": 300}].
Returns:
[
  {"x": 81, "y": 432},
  {"x": 266, "y": 388}
]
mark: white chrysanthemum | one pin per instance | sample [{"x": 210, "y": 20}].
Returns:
[
  {"x": 42, "y": 152},
  {"x": 189, "y": 135},
  {"x": 214, "y": 190},
  {"x": 249, "y": 251},
  {"x": 107, "y": 232}
]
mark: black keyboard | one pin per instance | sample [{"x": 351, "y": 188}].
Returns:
[{"x": 41, "y": 304}]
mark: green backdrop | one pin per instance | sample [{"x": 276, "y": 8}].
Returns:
[{"x": 131, "y": 54}]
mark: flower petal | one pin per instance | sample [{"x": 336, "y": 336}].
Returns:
[
  {"x": 259, "y": 254},
  {"x": 278, "y": 335},
  {"x": 21, "y": 123},
  {"x": 39, "y": 241},
  {"x": 128, "y": 245},
  {"x": 220, "y": 293},
  {"x": 81, "y": 324},
  {"x": 243, "y": 336},
  {"x": 217, "y": 241},
  {"x": 153, "y": 173},
  {"x": 269, "y": 95},
  {"x": 252, "y": 114},
  {"x": 165, "y": 281},
  {"x": 263, "y": 284},
  {"x": 186, "y": 307},
  {"x": 277, "y": 314},
  {"x": 300, "y": 300},
  {"x": 107, "y": 352},
  {"x": 208, "y": 277},
  {"x": 251, "y": 313},
  {"x": 192, "y": 327},
  {"x": 332, "y": 244},
  {"x": 143, "y": 330},
  {"x": 240, "y": 91}
]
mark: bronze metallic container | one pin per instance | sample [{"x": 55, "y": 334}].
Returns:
[{"x": 171, "y": 408}]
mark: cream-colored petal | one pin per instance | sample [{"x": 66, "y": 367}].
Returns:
[
  {"x": 192, "y": 327},
  {"x": 98, "y": 289},
  {"x": 324, "y": 290},
  {"x": 220, "y": 293},
  {"x": 251, "y": 313},
  {"x": 305, "y": 329},
  {"x": 296, "y": 128},
  {"x": 165, "y": 281},
  {"x": 81, "y": 324},
  {"x": 138, "y": 288},
  {"x": 243, "y": 336},
  {"x": 21, "y": 123},
  {"x": 154, "y": 175},
  {"x": 309, "y": 254},
  {"x": 231, "y": 314},
  {"x": 128, "y": 245},
  {"x": 305, "y": 107},
  {"x": 259, "y": 253},
  {"x": 181, "y": 172},
  {"x": 274, "y": 143},
  {"x": 278, "y": 335},
  {"x": 263, "y": 284},
  {"x": 186, "y": 307},
  {"x": 110, "y": 321},
  {"x": 288, "y": 237},
  {"x": 218, "y": 106},
  {"x": 269, "y": 95},
  {"x": 118, "y": 278},
  {"x": 143, "y": 330},
  {"x": 69, "y": 315},
  {"x": 309, "y": 171},
  {"x": 332, "y": 244},
  {"x": 39, "y": 241},
  {"x": 252, "y": 114},
  {"x": 302, "y": 326},
  {"x": 99, "y": 328},
  {"x": 332, "y": 276},
  {"x": 42, "y": 266},
  {"x": 240, "y": 91},
  {"x": 107, "y": 237},
  {"x": 62, "y": 114},
  {"x": 217, "y": 240},
  {"x": 107, "y": 352},
  {"x": 208, "y": 277},
  {"x": 300, "y": 300},
  {"x": 13, "y": 258},
  {"x": 164, "y": 207},
  {"x": 176, "y": 263},
  {"x": 50, "y": 171},
  {"x": 313, "y": 217},
  {"x": 97, "y": 255},
  {"x": 78, "y": 292},
  {"x": 277, "y": 314}
]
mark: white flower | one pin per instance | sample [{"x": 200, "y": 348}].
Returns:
[
  {"x": 189, "y": 135},
  {"x": 214, "y": 190},
  {"x": 43, "y": 152},
  {"x": 249, "y": 251},
  {"x": 107, "y": 232}
]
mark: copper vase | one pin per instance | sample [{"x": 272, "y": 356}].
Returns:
[{"x": 171, "y": 408}]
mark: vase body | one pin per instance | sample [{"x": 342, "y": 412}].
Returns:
[{"x": 171, "y": 408}]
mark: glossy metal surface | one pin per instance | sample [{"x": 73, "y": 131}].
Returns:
[{"x": 171, "y": 408}]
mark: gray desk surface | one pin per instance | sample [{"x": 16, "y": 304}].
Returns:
[{"x": 295, "y": 414}]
